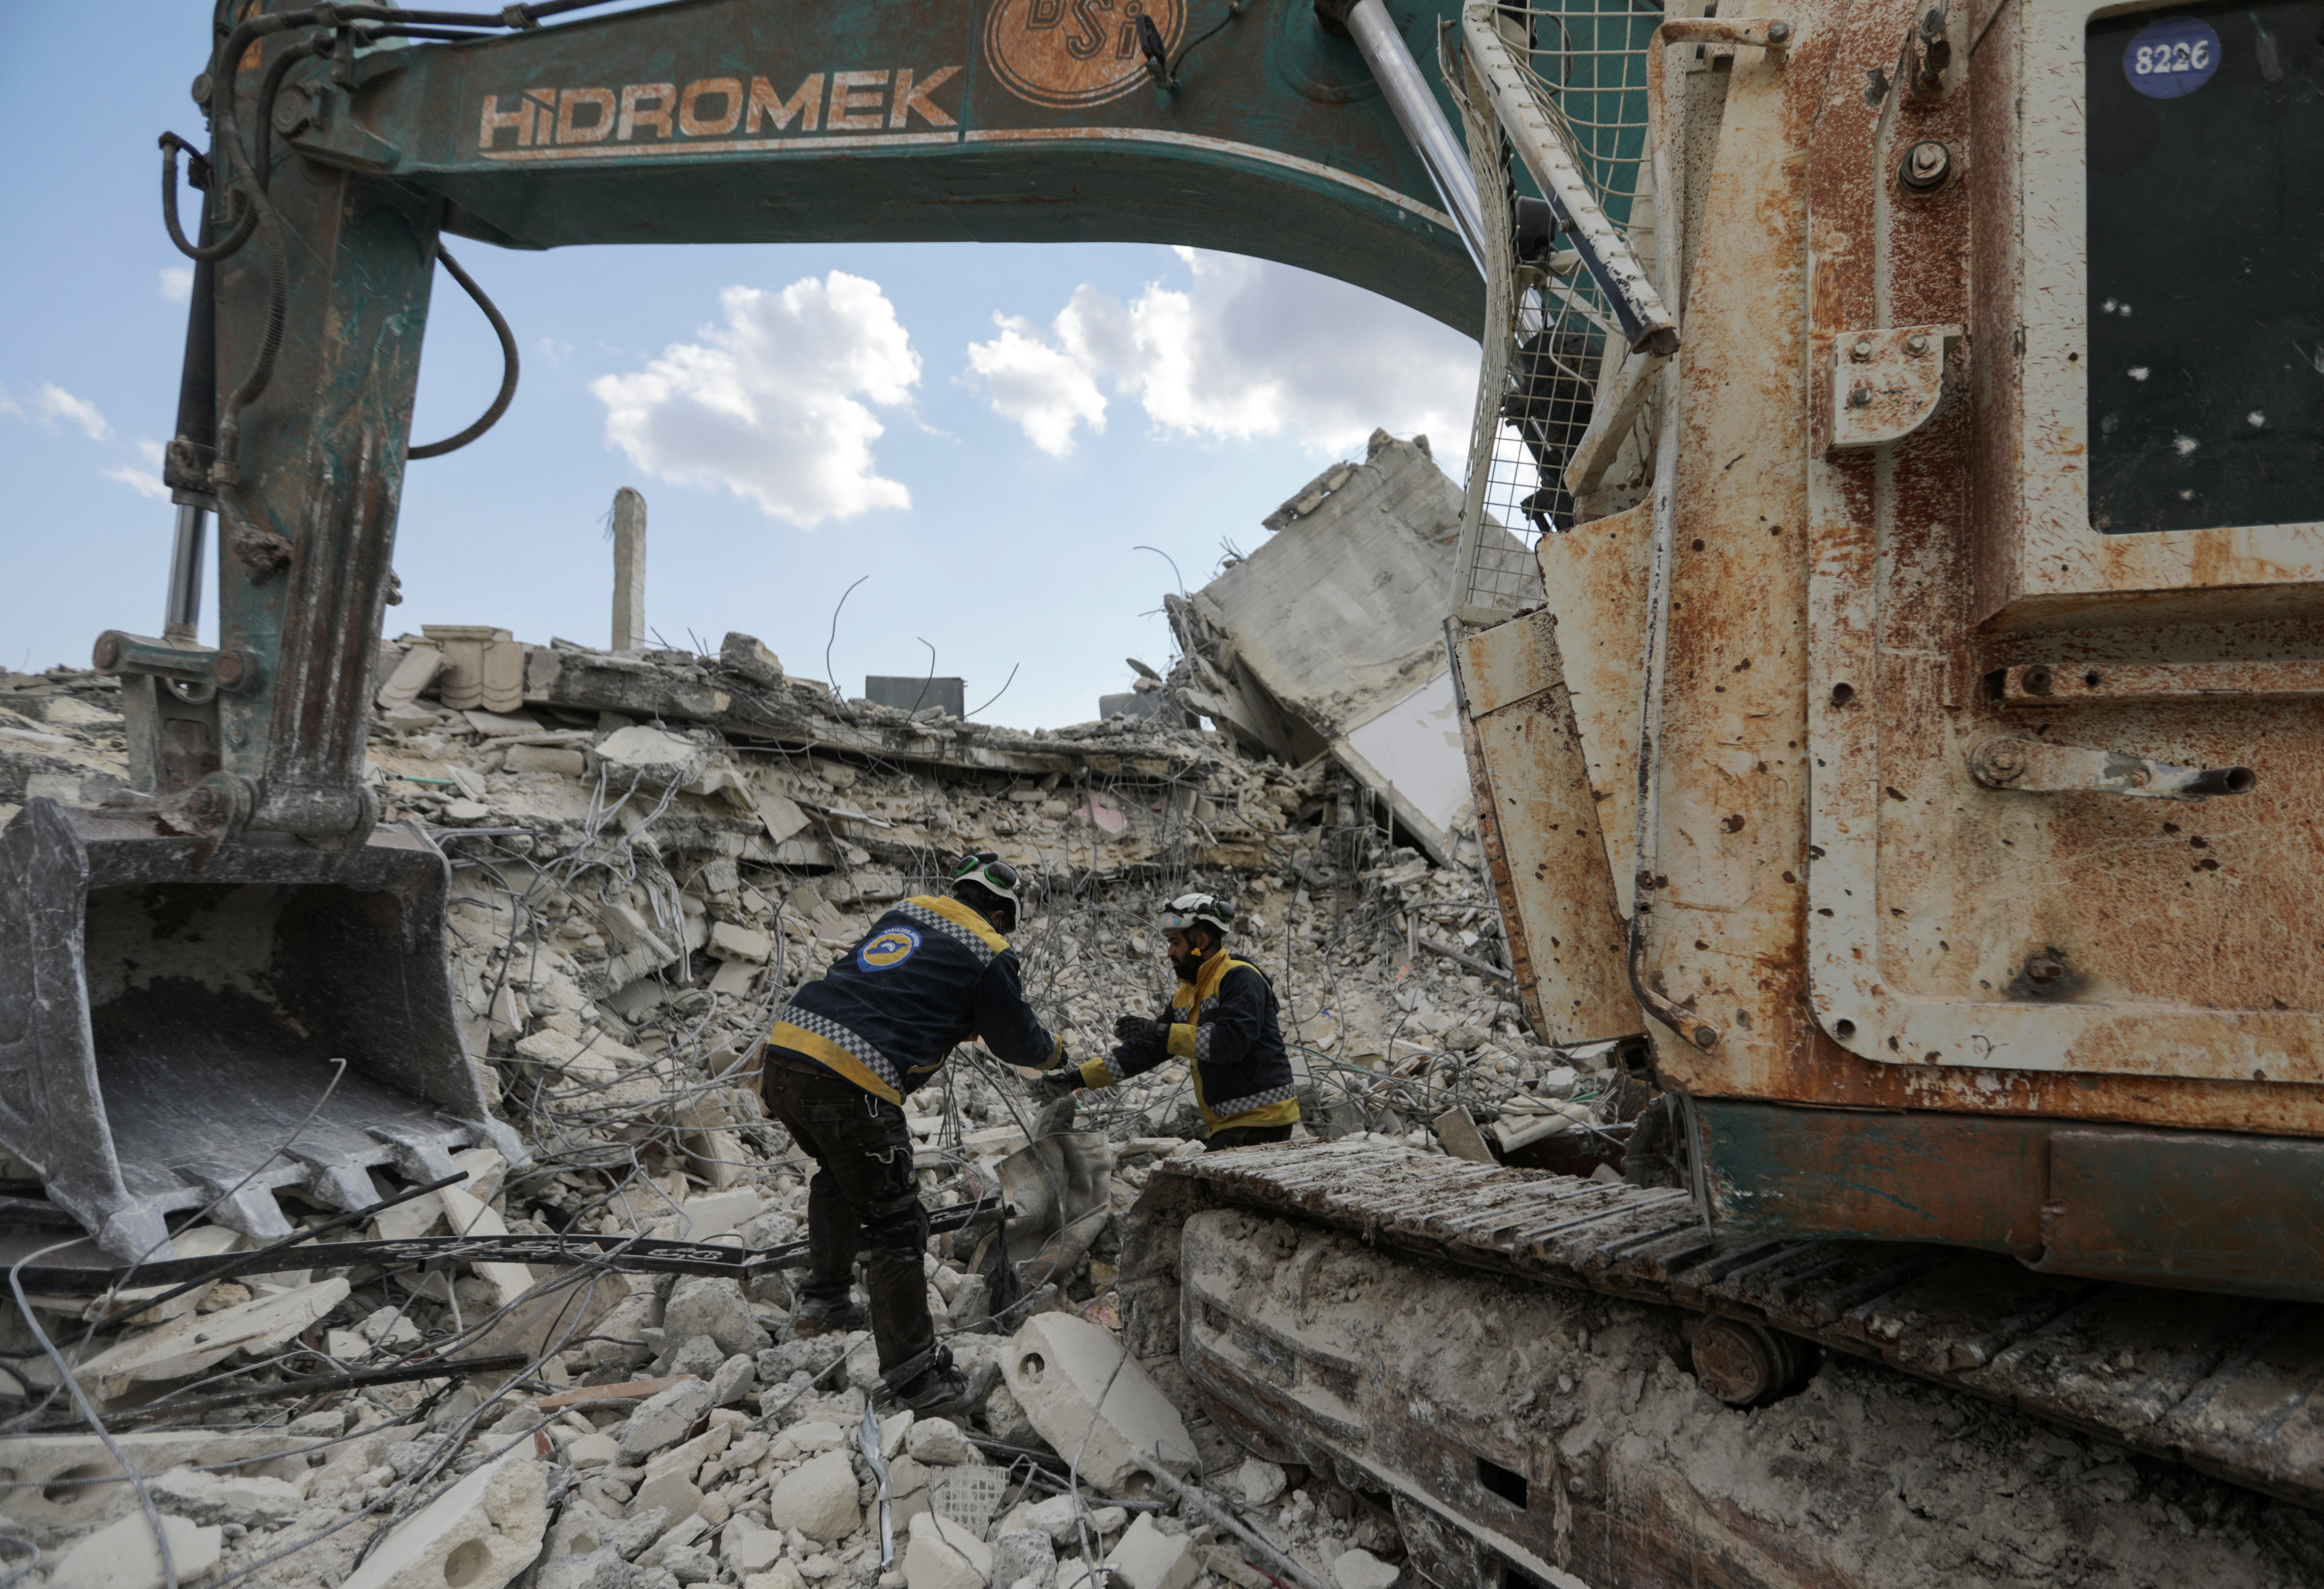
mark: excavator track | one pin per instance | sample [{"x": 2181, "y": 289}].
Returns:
[{"x": 2231, "y": 1386}]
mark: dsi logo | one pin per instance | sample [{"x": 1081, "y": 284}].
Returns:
[
  {"x": 1068, "y": 54},
  {"x": 892, "y": 947}
]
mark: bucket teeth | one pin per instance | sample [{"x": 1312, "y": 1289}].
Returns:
[
  {"x": 494, "y": 1135},
  {"x": 238, "y": 1202},
  {"x": 335, "y": 1177},
  {"x": 420, "y": 1154}
]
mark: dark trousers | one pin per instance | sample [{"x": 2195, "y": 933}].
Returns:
[
  {"x": 863, "y": 1199},
  {"x": 1243, "y": 1136}
]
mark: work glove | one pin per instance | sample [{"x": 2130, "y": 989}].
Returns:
[
  {"x": 1139, "y": 1032},
  {"x": 1050, "y": 1086}
]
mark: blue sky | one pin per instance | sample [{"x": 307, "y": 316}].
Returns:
[{"x": 1041, "y": 411}]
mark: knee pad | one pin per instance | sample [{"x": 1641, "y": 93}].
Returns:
[{"x": 897, "y": 1228}]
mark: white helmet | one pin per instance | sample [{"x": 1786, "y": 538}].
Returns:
[{"x": 1197, "y": 910}]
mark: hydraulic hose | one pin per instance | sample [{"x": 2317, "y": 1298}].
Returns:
[
  {"x": 490, "y": 416},
  {"x": 201, "y": 253}
]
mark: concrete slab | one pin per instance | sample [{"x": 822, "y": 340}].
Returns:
[{"x": 1088, "y": 1400}]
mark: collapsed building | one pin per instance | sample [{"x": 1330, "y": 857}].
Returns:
[{"x": 649, "y": 849}]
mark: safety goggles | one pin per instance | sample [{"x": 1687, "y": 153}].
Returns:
[{"x": 987, "y": 868}]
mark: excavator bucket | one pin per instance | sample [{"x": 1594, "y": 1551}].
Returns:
[{"x": 170, "y": 1019}]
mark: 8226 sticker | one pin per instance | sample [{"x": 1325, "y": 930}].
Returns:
[{"x": 2171, "y": 59}]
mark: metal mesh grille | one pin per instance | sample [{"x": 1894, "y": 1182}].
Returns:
[{"x": 1550, "y": 338}]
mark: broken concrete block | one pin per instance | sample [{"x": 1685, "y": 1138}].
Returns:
[
  {"x": 600, "y": 1450},
  {"x": 1461, "y": 1137},
  {"x": 561, "y": 760},
  {"x": 493, "y": 724},
  {"x": 818, "y": 1499},
  {"x": 736, "y": 1378},
  {"x": 1024, "y": 1556},
  {"x": 943, "y": 1555},
  {"x": 748, "y": 1548},
  {"x": 479, "y": 1534},
  {"x": 648, "y": 757},
  {"x": 468, "y": 1216},
  {"x": 670, "y": 1491},
  {"x": 251, "y": 1499},
  {"x": 1059, "y": 1367},
  {"x": 1360, "y": 1569},
  {"x": 189, "y": 1344},
  {"x": 731, "y": 941},
  {"x": 748, "y": 656},
  {"x": 938, "y": 1441},
  {"x": 662, "y": 1422},
  {"x": 121, "y": 1555},
  {"x": 781, "y": 815},
  {"x": 1259, "y": 1481},
  {"x": 463, "y": 814},
  {"x": 415, "y": 673},
  {"x": 1147, "y": 1558},
  {"x": 713, "y": 1306}
]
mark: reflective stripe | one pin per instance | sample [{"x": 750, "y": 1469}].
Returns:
[
  {"x": 827, "y": 1041},
  {"x": 956, "y": 922}
]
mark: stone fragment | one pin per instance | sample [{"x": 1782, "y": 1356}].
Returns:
[
  {"x": 190, "y": 1343},
  {"x": 1360, "y": 1569},
  {"x": 749, "y": 1548},
  {"x": 1147, "y": 1558},
  {"x": 251, "y": 1499},
  {"x": 1461, "y": 1137},
  {"x": 818, "y": 1499},
  {"x": 736, "y": 1378},
  {"x": 599, "y": 1450},
  {"x": 1259, "y": 1481},
  {"x": 416, "y": 671},
  {"x": 648, "y": 757},
  {"x": 713, "y": 1305},
  {"x": 121, "y": 1555},
  {"x": 732, "y": 941},
  {"x": 938, "y": 1441},
  {"x": 477, "y": 1535},
  {"x": 699, "y": 1356},
  {"x": 1025, "y": 1556},
  {"x": 562, "y": 760},
  {"x": 662, "y": 1422},
  {"x": 943, "y": 1555},
  {"x": 1059, "y": 1366},
  {"x": 1055, "y": 1517}
]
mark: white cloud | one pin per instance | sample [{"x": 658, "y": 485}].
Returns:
[
  {"x": 145, "y": 481},
  {"x": 175, "y": 283},
  {"x": 9, "y": 405},
  {"x": 1246, "y": 349},
  {"x": 771, "y": 405},
  {"x": 1048, "y": 389},
  {"x": 54, "y": 403}
]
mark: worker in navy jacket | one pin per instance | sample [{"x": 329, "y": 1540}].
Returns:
[{"x": 843, "y": 1054}]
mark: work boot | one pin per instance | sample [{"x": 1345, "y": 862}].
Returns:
[
  {"x": 817, "y": 1317},
  {"x": 943, "y": 1391}
]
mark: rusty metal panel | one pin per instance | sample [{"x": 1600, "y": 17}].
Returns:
[
  {"x": 1557, "y": 891},
  {"x": 1596, "y": 578},
  {"x": 2195, "y": 1209}
]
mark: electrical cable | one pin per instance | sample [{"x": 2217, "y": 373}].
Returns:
[{"x": 509, "y": 365}]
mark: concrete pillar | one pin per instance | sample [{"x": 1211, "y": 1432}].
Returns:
[{"x": 628, "y": 570}]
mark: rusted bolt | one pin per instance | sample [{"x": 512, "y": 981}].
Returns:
[
  {"x": 1998, "y": 762},
  {"x": 1860, "y": 397},
  {"x": 1862, "y": 350},
  {"x": 231, "y": 670},
  {"x": 1916, "y": 344},
  {"x": 1926, "y": 166},
  {"x": 2043, "y": 971},
  {"x": 1779, "y": 33},
  {"x": 291, "y": 112},
  {"x": 2037, "y": 681}
]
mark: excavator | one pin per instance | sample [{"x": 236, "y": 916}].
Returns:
[{"x": 1894, "y": 734}]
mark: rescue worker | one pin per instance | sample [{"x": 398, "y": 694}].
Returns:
[
  {"x": 1221, "y": 1021},
  {"x": 840, "y": 1059}
]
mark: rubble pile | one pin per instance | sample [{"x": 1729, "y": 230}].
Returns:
[{"x": 635, "y": 890}]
